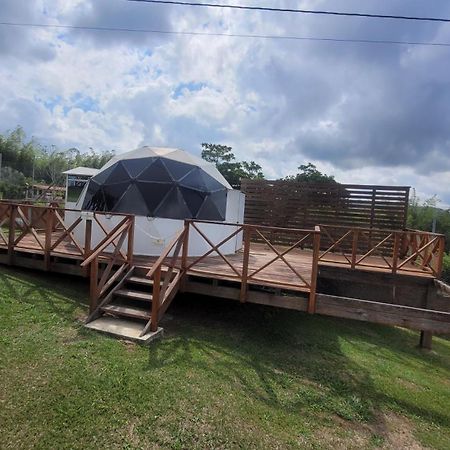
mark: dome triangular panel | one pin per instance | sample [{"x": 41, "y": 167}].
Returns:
[
  {"x": 117, "y": 175},
  {"x": 155, "y": 172},
  {"x": 153, "y": 194},
  {"x": 132, "y": 200},
  {"x": 135, "y": 167},
  {"x": 173, "y": 206},
  {"x": 177, "y": 169}
]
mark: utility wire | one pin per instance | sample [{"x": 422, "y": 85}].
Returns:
[
  {"x": 237, "y": 35},
  {"x": 294, "y": 10}
]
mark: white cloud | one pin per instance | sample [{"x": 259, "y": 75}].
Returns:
[{"x": 368, "y": 114}]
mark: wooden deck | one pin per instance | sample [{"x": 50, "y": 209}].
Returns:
[
  {"x": 216, "y": 267},
  {"x": 276, "y": 266}
]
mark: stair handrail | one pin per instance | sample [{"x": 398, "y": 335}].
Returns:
[
  {"x": 159, "y": 297},
  {"x": 160, "y": 261},
  {"x": 122, "y": 226}
]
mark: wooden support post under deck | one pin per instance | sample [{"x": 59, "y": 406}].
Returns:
[
  {"x": 426, "y": 337},
  {"x": 93, "y": 285},
  {"x": 247, "y": 234}
]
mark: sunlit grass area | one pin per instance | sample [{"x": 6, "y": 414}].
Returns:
[{"x": 224, "y": 376}]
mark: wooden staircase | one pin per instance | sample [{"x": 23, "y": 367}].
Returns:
[
  {"x": 127, "y": 311},
  {"x": 129, "y": 302}
]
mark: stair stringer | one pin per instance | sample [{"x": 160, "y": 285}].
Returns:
[{"x": 98, "y": 312}]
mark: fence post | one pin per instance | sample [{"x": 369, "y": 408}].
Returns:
[
  {"x": 156, "y": 300},
  {"x": 354, "y": 248},
  {"x": 12, "y": 234},
  {"x": 93, "y": 285},
  {"x": 87, "y": 243},
  {"x": 184, "y": 256},
  {"x": 395, "y": 252},
  {"x": 48, "y": 238},
  {"x": 314, "y": 271},
  {"x": 247, "y": 234},
  {"x": 440, "y": 257}
]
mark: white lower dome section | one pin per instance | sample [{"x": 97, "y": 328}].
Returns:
[{"x": 153, "y": 234}]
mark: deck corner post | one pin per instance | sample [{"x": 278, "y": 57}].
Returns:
[
  {"x": 48, "y": 238},
  {"x": 314, "y": 271},
  {"x": 247, "y": 233},
  {"x": 440, "y": 258},
  {"x": 12, "y": 234}
]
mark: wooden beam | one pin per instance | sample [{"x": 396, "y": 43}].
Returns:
[{"x": 384, "y": 313}]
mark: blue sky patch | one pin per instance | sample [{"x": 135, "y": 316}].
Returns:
[{"x": 178, "y": 91}]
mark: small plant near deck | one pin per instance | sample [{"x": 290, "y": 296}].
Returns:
[{"x": 226, "y": 376}]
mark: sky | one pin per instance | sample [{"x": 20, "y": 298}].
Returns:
[{"x": 365, "y": 113}]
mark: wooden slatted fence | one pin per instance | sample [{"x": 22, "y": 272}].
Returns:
[{"x": 294, "y": 204}]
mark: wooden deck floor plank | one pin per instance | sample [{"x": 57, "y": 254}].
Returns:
[{"x": 260, "y": 254}]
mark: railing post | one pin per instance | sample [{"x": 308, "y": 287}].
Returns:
[
  {"x": 130, "y": 247},
  {"x": 48, "y": 238},
  {"x": 314, "y": 271},
  {"x": 440, "y": 256},
  {"x": 156, "y": 299},
  {"x": 395, "y": 252},
  {"x": 87, "y": 242},
  {"x": 93, "y": 285},
  {"x": 184, "y": 255},
  {"x": 12, "y": 234},
  {"x": 247, "y": 235},
  {"x": 354, "y": 248}
]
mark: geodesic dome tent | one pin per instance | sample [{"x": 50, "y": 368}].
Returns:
[{"x": 158, "y": 182}]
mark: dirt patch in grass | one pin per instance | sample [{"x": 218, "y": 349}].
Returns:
[{"x": 388, "y": 431}]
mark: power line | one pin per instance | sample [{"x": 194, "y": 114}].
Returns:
[
  {"x": 234, "y": 35},
  {"x": 294, "y": 10}
]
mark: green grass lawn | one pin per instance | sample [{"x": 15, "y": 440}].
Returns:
[{"x": 225, "y": 376}]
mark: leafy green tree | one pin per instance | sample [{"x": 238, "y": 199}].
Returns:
[
  {"x": 422, "y": 215},
  {"x": 44, "y": 165},
  {"x": 225, "y": 161},
  {"x": 12, "y": 184},
  {"x": 309, "y": 173}
]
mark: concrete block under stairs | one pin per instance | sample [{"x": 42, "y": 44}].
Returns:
[{"x": 124, "y": 329}]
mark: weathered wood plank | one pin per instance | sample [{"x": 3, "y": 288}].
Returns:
[{"x": 384, "y": 313}]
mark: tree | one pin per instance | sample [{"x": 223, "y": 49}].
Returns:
[
  {"x": 309, "y": 173},
  {"x": 12, "y": 184},
  {"x": 225, "y": 161}
]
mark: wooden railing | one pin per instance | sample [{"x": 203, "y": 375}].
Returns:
[
  {"x": 396, "y": 251},
  {"x": 117, "y": 261},
  {"x": 165, "y": 289},
  {"x": 244, "y": 270}
]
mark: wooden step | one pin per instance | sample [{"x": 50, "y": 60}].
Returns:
[
  {"x": 140, "y": 280},
  {"x": 126, "y": 311},
  {"x": 134, "y": 295},
  {"x": 124, "y": 329}
]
